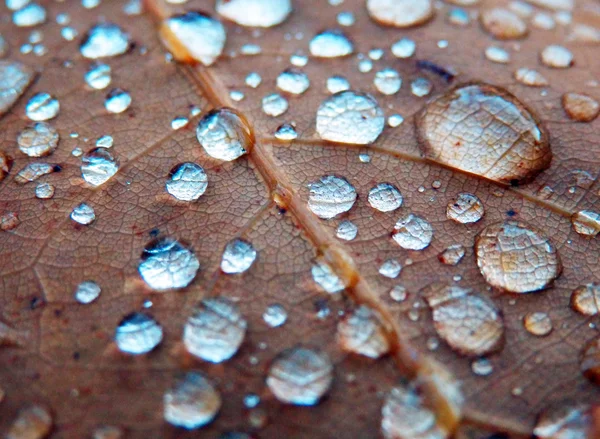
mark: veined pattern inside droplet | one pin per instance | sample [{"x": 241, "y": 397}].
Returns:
[
  {"x": 42, "y": 106},
  {"x": 293, "y": 81},
  {"x": 326, "y": 278},
  {"x": 192, "y": 402},
  {"x": 138, "y": 333},
  {"x": 385, "y": 197},
  {"x": 87, "y": 291},
  {"x": 331, "y": 196},
  {"x": 361, "y": 332},
  {"x": 187, "y": 182},
  {"x": 465, "y": 209},
  {"x": 238, "y": 256},
  {"x": 83, "y": 214},
  {"x": 39, "y": 140},
  {"x": 98, "y": 166},
  {"x": 14, "y": 80},
  {"x": 412, "y": 232},
  {"x": 224, "y": 134}
]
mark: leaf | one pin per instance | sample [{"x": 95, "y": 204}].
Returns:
[{"x": 60, "y": 354}]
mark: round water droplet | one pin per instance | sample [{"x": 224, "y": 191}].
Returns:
[
  {"x": 33, "y": 422},
  {"x": 225, "y": 134},
  {"x": 253, "y": 80},
  {"x": 238, "y": 256},
  {"x": 398, "y": 293},
  {"x": 117, "y": 101},
  {"x": 167, "y": 264},
  {"x": 400, "y": 13},
  {"x": 537, "y": 323},
  {"x": 98, "y": 166},
  {"x": 179, "y": 122},
  {"x": 336, "y": 84},
  {"x": 87, "y": 291},
  {"x": 556, "y": 56},
  {"x": 458, "y": 17},
  {"x": 98, "y": 76},
  {"x": 385, "y": 197},
  {"x": 325, "y": 277},
  {"x": 255, "y": 13},
  {"x": 404, "y": 48},
  {"x": 498, "y": 137},
  {"x": 193, "y": 36},
  {"x": 452, "y": 255},
  {"x": 346, "y": 18},
  {"x": 497, "y": 54},
  {"x": 390, "y": 269},
  {"x": 503, "y": 24},
  {"x": 29, "y": 15},
  {"x": 300, "y": 376},
  {"x": 350, "y": 117},
  {"x": 274, "y": 104},
  {"x": 275, "y": 315},
  {"x": 586, "y": 222},
  {"x": 187, "y": 181},
  {"x": 83, "y": 214},
  {"x": 580, "y": 107},
  {"x": 192, "y": 402},
  {"x": 585, "y": 299},
  {"x": 215, "y": 331},
  {"x": 530, "y": 77},
  {"x": 482, "y": 367},
  {"x": 293, "y": 81},
  {"x": 330, "y": 44},
  {"x": 517, "y": 258},
  {"x": 421, "y": 87},
  {"x": 412, "y": 232},
  {"x": 465, "y": 209},
  {"x": 590, "y": 361},
  {"x": 42, "y": 106},
  {"x": 39, "y": 140},
  {"x": 44, "y": 191},
  {"x": 563, "y": 420},
  {"x": 387, "y": 81},
  {"x": 14, "y": 80},
  {"x": 471, "y": 324},
  {"x": 331, "y": 196},
  {"x": 105, "y": 141},
  {"x": 138, "y": 333},
  {"x": 347, "y": 230},
  {"x": 104, "y": 40},
  {"x": 286, "y": 132},
  {"x": 361, "y": 332}
]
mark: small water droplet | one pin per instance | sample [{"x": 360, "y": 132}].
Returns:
[
  {"x": 385, "y": 197},
  {"x": 346, "y": 18},
  {"x": 400, "y": 13},
  {"x": 138, "y": 333},
  {"x": 168, "y": 264},
  {"x": 330, "y": 44},
  {"x": 299, "y": 59},
  {"x": 98, "y": 76},
  {"x": 224, "y": 134},
  {"x": 98, "y": 166},
  {"x": 537, "y": 323},
  {"x": 544, "y": 21},
  {"x": 38, "y": 140},
  {"x": 33, "y": 422},
  {"x": 387, "y": 81},
  {"x": 452, "y": 255},
  {"x": 331, "y": 196},
  {"x": 179, "y": 122},
  {"x": 503, "y": 24},
  {"x": 275, "y": 315},
  {"x": 192, "y": 402},
  {"x": 253, "y": 80},
  {"x": 274, "y": 105},
  {"x": 42, "y": 106},
  {"x": 398, "y": 293},
  {"x": 117, "y": 101},
  {"x": 238, "y": 256},
  {"x": 421, "y": 87},
  {"x": 530, "y": 77},
  {"x": 585, "y": 299},
  {"x": 33, "y": 171},
  {"x": 44, "y": 191},
  {"x": 187, "y": 181},
  {"x": 558, "y": 57},
  {"x": 580, "y": 107},
  {"x": 458, "y": 17},
  {"x": 293, "y": 81},
  {"x": 361, "y": 332},
  {"x": 347, "y": 230},
  {"x": 482, "y": 367},
  {"x": 365, "y": 65},
  {"x": 87, "y": 291},
  {"x": 412, "y": 232},
  {"x": 104, "y": 40},
  {"x": 586, "y": 222},
  {"x": 465, "y": 209},
  {"x": 83, "y": 214},
  {"x": 236, "y": 95},
  {"x": 390, "y": 269},
  {"x": 29, "y": 15},
  {"x": 286, "y": 132},
  {"x": 105, "y": 141},
  {"x": 497, "y": 54},
  {"x": 255, "y": 13},
  {"x": 326, "y": 278},
  {"x": 336, "y": 84},
  {"x": 404, "y": 48}
]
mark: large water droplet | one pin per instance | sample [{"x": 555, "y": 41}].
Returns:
[
  {"x": 530, "y": 77},
  {"x": 238, "y": 256},
  {"x": 98, "y": 166},
  {"x": 580, "y": 107},
  {"x": 465, "y": 209},
  {"x": 255, "y": 13},
  {"x": 42, "y": 106},
  {"x": 331, "y": 196},
  {"x": 515, "y": 257},
  {"x": 39, "y": 140},
  {"x": 87, "y": 291},
  {"x": 300, "y": 376},
  {"x": 14, "y": 80},
  {"x": 585, "y": 299},
  {"x": 586, "y": 222},
  {"x": 187, "y": 181},
  {"x": 293, "y": 81},
  {"x": 400, "y": 13},
  {"x": 215, "y": 331},
  {"x": 225, "y": 134},
  {"x": 326, "y": 278},
  {"x": 34, "y": 422},
  {"x": 590, "y": 361},
  {"x": 83, "y": 214},
  {"x": 138, "y": 333},
  {"x": 385, "y": 197},
  {"x": 412, "y": 232},
  {"x": 192, "y": 402},
  {"x": 104, "y": 40},
  {"x": 484, "y": 130},
  {"x": 503, "y": 24},
  {"x": 167, "y": 264},
  {"x": 330, "y": 44},
  {"x": 361, "y": 332},
  {"x": 350, "y": 117},
  {"x": 33, "y": 171},
  {"x": 537, "y": 323},
  {"x": 556, "y": 56}
]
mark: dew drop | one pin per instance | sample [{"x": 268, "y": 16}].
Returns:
[
  {"x": 253, "y": 80},
  {"x": 98, "y": 76},
  {"x": 193, "y": 36},
  {"x": 138, "y": 333},
  {"x": 530, "y": 77},
  {"x": 14, "y": 5},
  {"x": 387, "y": 81},
  {"x": 255, "y": 13},
  {"x": 516, "y": 144},
  {"x": 580, "y": 107},
  {"x": 482, "y": 367},
  {"x": 585, "y": 299},
  {"x": 286, "y": 132},
  {"x": 586, "y": 222},
  {"x": 167, "y": 264},
  {"x": 543, "y": 21},
  {"x": 558, "y": 57},
  {"x": 330, "y": 44},
  {"x": 346, "y": 18},
  {"x": 390, "y": 269},
  {"x": 187, "y": 182},
  {"x": 412, "y": 232},
  {"x": 44, "y": 191},
  {"x": 590, "y": 361},
  {"x": 400, "y": 13},
  {"x": 497, "y": 54},
  {"x": 452, "y": 255},
  {"x": 192, "y": 402},
  {"x": 105, "y": 141},
  {"x": 104, "y": 40},
  {"x": 238, "y": 256},
  {"x": 293, "y": 81},
  {"x": 9, "y": 221},
  {"x": 395, "y": 120},
  {"x": 517, "y": 258},
  {"x": 459, "y": 17},
  {"x": 326, "y": 278},
  {"x": 537, "y": 323},
  {"x": 42, "y": 106},
  {"x": 300, "y": 376},
  {"x": 87, "y": 291},
  {"x": 331, "y": 196},
  {"x": 34, "y": 422},
  {"x": 361, "y": 332},
  {"x": 385, "y": 197},
  {"x": 14, "y": 80},
  {"x": 398, "y": 293},
  {"x": 38, "y": 140},
  {"x": 179, "y": 122},
  {"x": 299, "y": 59},
  {"x": 29, "y": 15},
  {"x": 274, "y": 105},
  {"x": 465, "y": 209},
  {"x": 117, "y": 101},
  {"x": 503, "y": 24},
  {"x": 404, "y": 48},
  {"x": 215, "y": 330},
  {"x": 365, "y": 65},
  {"x": 224, "y": 134},
  {"x": 98, "y": 166},
  {"x": 347, "y": 230},
  {"x": 565, "y": 421},
  {"x": 33, "y": 171},
  {"x": 275, "y": 315},
  {"x": 83, "y": 214},
  {"x": 421, "y": 87}
]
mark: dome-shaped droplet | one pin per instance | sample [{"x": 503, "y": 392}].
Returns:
[
  {"x": 238, "y": 256},
  {"x": 556, "y": 56},
  {"x": 580, "y": 107},
  {"x": 537, "y": 323},
  {"x": 361, "y": 332},
  {"x": 300, "y": 376},
  {"x": 503, "y": 24},
  {"x": 337, "y": 83},
  {"x": 465, "y": 209},
  {"x": 83, "y": 214},
  {"x": 138, "y": 333},
  {"x": 387, "y": 81},
  {"x": 398, "y": 293},
  {"x": 42, "y": 106},
  {"x": 255, "y": 13},
  {"x": 44, "y": 191},
  {"x": 224, "y": 134},
  {"x": 29, "y": 15},
  {"x": 167, "y": 264},
  {"x": 486, "y": 131},
  {"x": 326, "y": 278},
  {"x": 421, "y": 87},
  {"x": 87, "y": 291},
  {"x": 193, "y": 36},
  {"x": 117, "y": 101},
  {"x": 350, "y": 117},
  {"x": 482, "y": 367},
  {"x": 215, "y": 330},
  {"x": 497, "y": 54},
  {"x": 565, "y": 420},
  {"x": 98, "y": 166},
  {"x": 330, "y": 44},
  {"x": 293, "y": 81},
  {"x": 331, "y": 196},
  {"x": 253, "y": 80},
  {"x": 98, "y": 76},
  {"x": 275, "y": 315},
  {"x": 400, "y": 13},
  {"x": 187, "y": 181},
  {"x": 515, "y": 257},
  {"x": 286, "y": 132},
  {"x": 469, "y": 323},
  {"x": 38, "y": 140},
  {"x": 347, "y": 230},
  {"x": 586, "y": 222},
  {"x": 274, "y": 104},
  {"x": 452, "y": 255},
  {"x": 385, "y": 197},
  {"x": 590, "y": 361},
  {"x": 412, "y": 232},
  {"x": 585, "y": 299},
  {"x": 530, "y": 77},
  {"x": 104, "y": 40},
  {"x": 192, "y": 402},
  {"x": 33, "y": 422},
  {"x": 33, "y": 171},
  {"x": 404, "y": 48},
  {"x": 390, "y": 269},
  {"x": 14, "y": 80}
]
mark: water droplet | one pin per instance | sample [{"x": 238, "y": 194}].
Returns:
[
  {"x": 299, "y": 59},
  {"x": 236, "y": 95},
  {"x": 286, "y": 132},
  {"x": 580, "y": 107},
  {"x": 503, "y": 24},
  {"x": 331, "y": 196},
  {"x": 42, "y": 106},
  {"x": 590, "y": 361},
  {"x": 215, "y": 330},
  {"x": 482, "y": 367},
  {"x": 253, "y": 80},
  {"x": 361, "y": 332},
  {"x": 497, "y": 54},
  {"x": 404, "y": 48},
  {"x": 187, "y": 181},
  {"x": 300, "y": 376},
  {"x": 105, "y": 141},
  {"x": 350, "y": 117},
  {"x": 224, "y": 134},
  {"x": 517, "y": 145},
  {"x": 585, "y": 299},
  {"x": 398, "y": 293},
  {"x": 544, "y": 21},
  {"x": 38, "y": 140},
  {"x": 14, "y": 80},
  {"x": 238, "y": 256},
  {"x": 274, "y": 104},
  {"x": 44, "y": 191},
  {"x": 83, "y": 214},
  {"x": 530, "y": 77},
  {"x": 387, "y": 81},
  {"x": 364, "y": 157},
  {"x": 586, "y": 222},
  {"x": 98, "y": 76},
  {"x": 421, "y": 87},
  {"x": 330, "y": 44},
  {"x": 465, "y": 209},
  {"x": 29, "y": 15},
  {"x": 167, "y": 264},
  {"x": 565, "y": 421},
  {"x": 347, "y": 230},
  {"x": 390, "y": 269},
  {"x": 255, "y": 13},
  {"x": 117, "y": 101},
  {"x": 385, "y": 197},
  {"x": 515, "y": 257},
  {"x": 193, "y": 36},
  {"x": 33, "y": 171},
  {"x": 325, "y": 277},
  {"x": 192, "y": 402},
  {"x": 104, "y": 40},
  {"x": 556, "y": 56},
  {"x": 250, "y": 49},
  {"x": 138, "y": 333},
  {"x": 537, "y": 323},
  {"x": 275, "y": 315},
  {"x": 87, "y": 291},
  {"x": 179, "y": 122},
  {"x": 452, "y": 255},
  {"x": 293, "y": 81},
  {"x": 98, "y": 166},
  {"x": 34, "y": 422},
  {"x": 400, "y": 13},
  {"x": 9, "y": 221},
  {"x": 458, "y": 17},
  {"x": 336, "y": 84},
  {"x": 413, "y": 232},
  {"x": 346, "y": 18}
]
